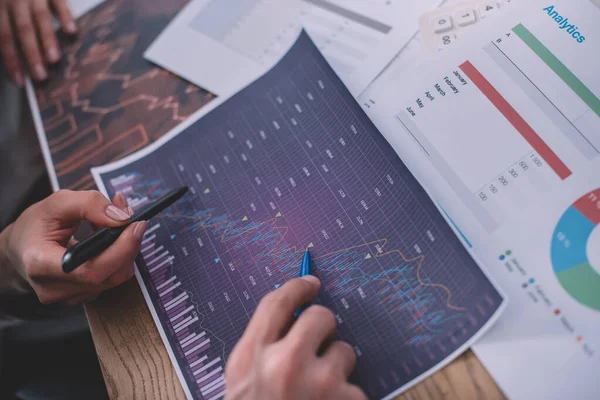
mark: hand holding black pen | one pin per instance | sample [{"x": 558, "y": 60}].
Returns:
[{"x": 99, "y": 241}]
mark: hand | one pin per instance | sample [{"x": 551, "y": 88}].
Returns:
[
  {"x": 275, "y": 361},
  {"x": 32, "y": 19},
  {"x": 33, "y": 246}
]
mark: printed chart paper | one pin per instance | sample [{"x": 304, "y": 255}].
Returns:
[
  {"x": 222, "y": 45},
  {"x": 504, "y": 131},
  {"x": 292, "y": 161}
]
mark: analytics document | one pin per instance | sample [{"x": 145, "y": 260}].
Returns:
[
  {"x": 290, "y": 162},
  {"x": 223, "y": 45},
  {"x": 504, "y": 132}
]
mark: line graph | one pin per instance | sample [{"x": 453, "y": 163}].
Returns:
[
  {"x": 291, "y": 162},
  {"x": 103, "y": 100}
]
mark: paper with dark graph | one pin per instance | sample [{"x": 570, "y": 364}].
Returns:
[{"x": 292, "y": 161}]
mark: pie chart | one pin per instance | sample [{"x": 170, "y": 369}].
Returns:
[{"x": 569, "y": 250}]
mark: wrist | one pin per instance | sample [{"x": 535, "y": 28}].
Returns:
[{"x": 12, "y": 279}]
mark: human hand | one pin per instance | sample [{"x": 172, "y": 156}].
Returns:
[
  {"x": 32, "y": 19},
  {"x": 277, "y": 360},
  {"x": 35, "y": 243}
]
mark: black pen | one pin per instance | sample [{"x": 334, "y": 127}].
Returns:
[{"x": 99, "y": 241}]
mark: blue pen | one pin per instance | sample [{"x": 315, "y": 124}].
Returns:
[{"x": 305, "y": 269}]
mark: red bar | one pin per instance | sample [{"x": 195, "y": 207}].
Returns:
[{"x": 516, "y": 120}]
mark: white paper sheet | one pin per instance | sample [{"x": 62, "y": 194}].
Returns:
[{"x": 222, "y": 45}]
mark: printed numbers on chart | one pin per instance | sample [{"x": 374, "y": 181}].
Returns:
[
  {"x": 272, "y": 205},
  {"x": 268, "y": 271},
  {"x": 364, "y": 204},
  {"x": 353, "y": 129},
  {"x": 339, "y": 319},
  {"x": 329, "y": 153},
  {"x": 493, "y": 189},
  {"x": 535, "y": 159},
  {"x": 257, "y": 180},
  {"x": 430, "y": 235},
  {"x": 360, "y": 220},
  {"x": 483, "y": 196},
  {"x": 263, "y": 135},
  {"x": 503, "y": 181},
  {"x": 417, "y": 249},
  {"x": 325, "y": 234},
  {"x": 278, "y": 192},
  {"x": 227, "y": 298},
  {"x": 342, "y": 193},
  {"x": 212, "y": 169},
  {"x": 309, "y": 144},
  {"x": 231, "y": 266},
  {"x": 292, "y": 182},
  {"x": 513, "y": 172},
  {"x": 325, "y": 169},
  {"x": 181, "y": 168},
  {"x": 447, "y": 40},
  {"x": 252, "y": 280},
  {"x": 378, "y": 192},
  {"x": 340, "y": 224},
  {"x": 523, "y": 165},
  {"x": 246, "y": 295},
  {"x": 305, "y": 171},
  {"x": 211, "y": 306},
  {"x": 563, "y": 238},
  {"x": 249, "y": 144},
  {"x": 345, "y": 303},
  {"x": 253, "y": 206},
  {"x": 342, "y": 142},
  {"x": 362, "y": 293},
  {"x": 184, "y": 250}
]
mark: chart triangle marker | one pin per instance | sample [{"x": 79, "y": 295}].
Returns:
[
  {"x": 277, "y": 285},
  {"x": 217, "y": 260},
  {"x": 278, "y": 215},
  {"x": 310, "y": 245},
  {"x": 206, "y": 191},
  {"x": 245, "y": 219},
  {"x": 368, "y": 256},
  {"x": 173, "y": 237}
]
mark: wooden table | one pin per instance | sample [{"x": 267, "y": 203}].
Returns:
[
  {"x": 83, "y": 128},
  {"x": 136, "y": 365}
]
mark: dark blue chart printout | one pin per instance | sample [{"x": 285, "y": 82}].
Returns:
[{"x": 292, "y": 161}]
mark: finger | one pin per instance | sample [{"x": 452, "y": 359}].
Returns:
[
  {"x": 276, "y": 309},
  {"x": 119, "y": 277},
  {"x": 117, "y": 258},
  {"x": 43, "y": 18},
  {"x": 120, "y": 200},
  {"x": 351, "y": 392},
  {"x": 28, "y": 38},
  {"x": 8, "y": 49},
  {"x": 69, "y": 206},
  {"x": 315, "y": 325},
  {"x": 339, "y": 358},
  {"x": 65, "y": 17}
]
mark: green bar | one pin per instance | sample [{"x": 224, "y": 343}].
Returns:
[{"x": 559, "y": 68}]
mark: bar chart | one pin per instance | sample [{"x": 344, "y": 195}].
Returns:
[{"x": 506, "y": 125}]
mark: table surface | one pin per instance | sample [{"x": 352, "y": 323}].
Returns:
[{"x": 104, "y": 101}]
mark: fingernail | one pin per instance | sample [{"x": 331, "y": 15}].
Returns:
[
  {"x": 116, "y": 213},
  {"x": 130, "y": 211},
  {"x": 18, "y": 79},
  {"x": 140, "y": 229},
  {"x": 53, "y": 54},
  {"x": 39, "y": 72},
  {"x": 71, "y": 27},
  {"x": 312, "y": 279}
]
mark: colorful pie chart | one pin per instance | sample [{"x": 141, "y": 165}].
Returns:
[{"x": 569, "y": 250}]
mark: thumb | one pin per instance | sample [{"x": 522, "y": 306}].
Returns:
[{"x": 89, "y": 205}]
